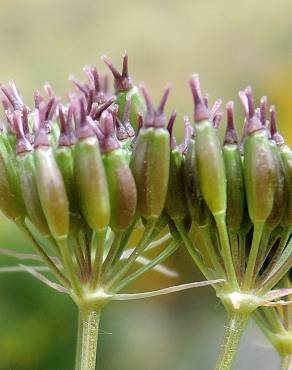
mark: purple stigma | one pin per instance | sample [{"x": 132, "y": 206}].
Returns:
[
  {"x": 263, "y": 110},
  {"x": 23, "y": 145},
  {"x": 279, "y": 140},
  {"x": 155, "y": 118},
  {"x": 122, "y": 80},
  {"x": 170, "y": 126},
  {"x": 110, "y": 141},
  {"x": 230, "y": 134},
  {"x": 252, "y": 121},
  {"x": 201, "y": 112}
]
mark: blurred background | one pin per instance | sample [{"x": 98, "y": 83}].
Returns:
[{"x": 231, "y": 44}]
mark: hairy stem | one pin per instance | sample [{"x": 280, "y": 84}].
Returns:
[
  {"x": 79, "y": 341},
  {"x": 87, "y": 344},
  {"x": 234, "y": 329},
  {"x": 286, "y": 363}
]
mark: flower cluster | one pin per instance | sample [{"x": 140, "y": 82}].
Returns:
[{"x": 80, "y": 177}]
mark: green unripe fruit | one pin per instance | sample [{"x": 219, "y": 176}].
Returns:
[
  {"x": 122, "y": 189},
  {"x": 121, "y": 183},
  {"x": 259, "y": 175},
  {"x": 234, "y": 174},
  {"x": 64, "y": 157},
  {"x": 51, "y": 188},
  {"x": 210, "y": 165},
  {"x": 235, "y": 186},
  {"x": 137, "y": 104},
  {"x": 8, "y": 203},
  {"x": 150, "y": 160},
  {"x": 197, "y": 207},
  {"x": 280, "y": 196},
  {"x": 286, "y": 156},
  {"x": 91, "y": 183},
  {"x": 150, "y": 167},
  {"x": 12, "y": 175},
  {"x": 30, "y": 192},
  {"x": 176, "y": 205}
]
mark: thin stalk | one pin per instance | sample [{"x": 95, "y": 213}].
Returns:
[
  {"x": 234, "y": 242},
  {"x": 213, "y": 256},
  {"x": 274, "y": 320},
  {"x": 226, "y": 250},
  {"x": 275, "y": 259},
  {"x": 80, "y": 262},
  {"x": 234, "y": 329},
  {"x": 49, "y": 262},
  {"x": 144, "y": 241},
  {"x": 83, "y": 240},
  {"x": 252, "y": 258},
  {"x": 125, "y": 239},
  {"x": 271, "y": 281},
  {"x": 191, "y": 249},
  {"x": 87, "y": 347},
  {"x": 170, "y": 249},
  {"x": 99, "y": 239},
  {"x": 114, "y": 249},
  {"x": 242, "y": 242},
  {"x": 286, "y": 363},
  {"x": 264, "y": 249},
  {"x": 69, "y": 266}
]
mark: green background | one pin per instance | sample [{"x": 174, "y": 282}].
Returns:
[{"x": 231, "y": 44}]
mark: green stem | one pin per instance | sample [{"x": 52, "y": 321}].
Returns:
[
  {"x": 271, "y": 281},
  {"x": 213, "y": 256},
  {"x": 191, "y": 249},
  {"x": 277, "y": 255},
  {"x": 87, "y": 346},
  {"x": 144, "y": 241},
  {"x": 124, "y": 241},
  {"x": 242, "y": 241},
  {"x": 169, "y": 250},
  {"x": 252, "y": 258},
  {"x": 234, "y": 242},
  {"x": 264, "y": 249},
  {"x": 234, "y": 329},
  {"x": 286, "y": 363},
  {"x": 49, "y": 262},
  {"x": 99, "y": 239},
  {"x": 226, "y": 250},
  {"x": 114, "y": 249},
  {"x": 69, "y": 266}
]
